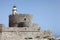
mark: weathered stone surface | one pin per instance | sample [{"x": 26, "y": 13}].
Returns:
[{"x": 17, "y": 31}]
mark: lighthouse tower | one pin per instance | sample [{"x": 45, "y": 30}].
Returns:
[
  {"x": 14, "y": 10},
  {"x": 19, "y": 20}
]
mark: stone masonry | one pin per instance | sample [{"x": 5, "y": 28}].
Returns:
[{"x": 21, "y": 27}]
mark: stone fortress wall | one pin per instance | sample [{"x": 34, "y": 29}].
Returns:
[
  {"x": 18, "y": 33},
  {"x": 21, "y": 27},
  {"x": 14, "y": 20}
]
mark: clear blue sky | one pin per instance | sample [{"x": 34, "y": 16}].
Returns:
[{"x": 46, "y": 13}]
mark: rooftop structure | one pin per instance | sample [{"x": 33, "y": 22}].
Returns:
[{"x": 21, "y": 27}]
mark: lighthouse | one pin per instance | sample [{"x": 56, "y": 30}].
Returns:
[{"x": 14, "y": 10}]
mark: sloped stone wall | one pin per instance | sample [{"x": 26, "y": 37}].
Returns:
[{"x": 20, "y": 35}]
